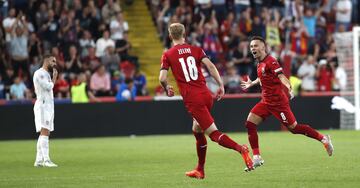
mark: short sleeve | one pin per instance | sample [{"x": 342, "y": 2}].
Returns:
[
  {"x": 275, "y": 68},
  {"x": 164, "y": 63},
  {"x": 202, "y": 55}
]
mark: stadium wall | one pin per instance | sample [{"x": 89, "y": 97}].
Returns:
[{"x": 154, "y": 117}]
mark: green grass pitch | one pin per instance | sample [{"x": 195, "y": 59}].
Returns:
[{"x": 160, "y": 161}]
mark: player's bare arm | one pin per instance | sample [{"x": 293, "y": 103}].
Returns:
[
  {"x": 287, "y": 84},
  {"x": 55, "y": 75},
  {"x": 163, "y": 81},
  {"x": 215, "y": 74},
  {"x": 249, "y": 83}
]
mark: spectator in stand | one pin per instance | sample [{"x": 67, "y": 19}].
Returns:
[
  {"x": 123, "y": 47},
  {"x": 309, "y": 21},
  {"x": 69, "y": 28},
  {"x": 35, "y": 65},
  {"x": 219, "y": 6},
  {"x": 118, "y": 27},
  {"x": 232, "y": 81},
  {"x": 95, "y": 12},
  {"x": 8, "y": 24},
  {"x": 127, "y": 91},
  {"x": 343, "y": 10},
  {"x": 8, "y": 80},
  {"x": 258, "y": 27},
  {"x": 80, "y": 92},
  {"x": 325, "y": 76},
  {"x": 60, "y": 61},
  {"x": 50, "y": 30},
  {"x": 331, "y": 52},
  {"x": 34, "y": 46},
  {"x": 19, "y": 46},
  {"x": 340, "y": 77},
  {"x": 103, "y": 43},
  {"x": 91, "y": 62},
  {"x": 100, "y": 82},
  {"x": 272, "y": 29},
  {"x": 73, "y": 63},
  {"x": 204, "y": 7},
  {"x": 110, "y": 60},
  {"x": 140, "y": 83},
  {"x": 18, "y": 90},
  {"x": 127, "y": 69},
  {"x": 242, "y": 59},
  {"x": 116, "y": 81},
  {"x": 163, "y": 18},
  {"x": 109, "y": 10},
  {"x": 241, "y": 6},
  {"x": 85, "y": 42},
  {"x": 211, "y": 43},
  {"x": 42, "y": 15},
  {"x": 61, "y": 87},
  {"x": 307, "y": 73}
]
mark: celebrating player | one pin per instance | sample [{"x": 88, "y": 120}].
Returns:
[
  {"x": 44, "y": 109},
  {"x": 275, "y": 101},
  {"x": 185, "y": 62}
]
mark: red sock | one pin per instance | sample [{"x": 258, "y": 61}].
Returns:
[
  {"x": 253, "y": 137},
  {"x": 307, "y": 131},
  {"x": 201, "y": 145},
  {"x": 223, "y": 140}
]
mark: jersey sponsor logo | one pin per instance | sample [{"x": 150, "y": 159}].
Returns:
[{"x": 263, "y": 71}]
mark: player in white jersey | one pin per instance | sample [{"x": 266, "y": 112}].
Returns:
[{"x": 44, "y": 109}]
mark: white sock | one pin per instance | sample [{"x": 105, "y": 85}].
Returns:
[
  {"x": 44, "y": 145},
  {"x": 39, "y": 156}
]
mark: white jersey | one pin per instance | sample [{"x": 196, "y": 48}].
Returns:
[
  {"x": 43, "y": 86},
  {"x": 44, "y": 105}
]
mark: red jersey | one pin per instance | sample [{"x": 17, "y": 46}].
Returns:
[
  {"x": 185, "y": 63},
  {"x": 273, "y": 91}
]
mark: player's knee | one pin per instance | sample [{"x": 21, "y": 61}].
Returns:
[
  {"x": 250, "y": 125},
  {"x": 196, "y": 127},
  {"x": 291, "y": 128},
  {"x": 44, "y": 132}
]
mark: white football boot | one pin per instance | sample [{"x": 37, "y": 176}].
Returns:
[
  {"x": 257, "y": 162},
  {"x": 38, "y": 163},
  {"x": 328, "y": 144},
  {"x": 49, "y": 163}
]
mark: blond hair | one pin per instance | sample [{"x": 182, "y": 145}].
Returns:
[{"x": 176, "y": 31}]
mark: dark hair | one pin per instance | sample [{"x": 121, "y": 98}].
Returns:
[
  {"x": 258, "y": 38},
  {"x": 46, "y": 56},
  {"x": 128, "y": 81}
]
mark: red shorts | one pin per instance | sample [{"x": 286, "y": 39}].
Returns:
[
  {"x": 199, "y": 106},
  {"x": 283, "y": 112}
]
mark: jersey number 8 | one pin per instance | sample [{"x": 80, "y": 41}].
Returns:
[{"x": 191, "y": 64}]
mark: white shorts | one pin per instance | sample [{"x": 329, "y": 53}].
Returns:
[{"x": 44, "y": 117}]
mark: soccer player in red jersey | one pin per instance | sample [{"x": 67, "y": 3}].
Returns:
[
  {"x": 276, "y": 91},
  {"x": 185, "y": 62}
]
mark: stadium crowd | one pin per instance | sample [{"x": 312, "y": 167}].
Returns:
[
  {"x": 88, "y": 38},
  {"x": 299, "y": 34}
]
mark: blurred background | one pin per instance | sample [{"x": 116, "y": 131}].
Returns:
[{"x": 114, "y": 48}]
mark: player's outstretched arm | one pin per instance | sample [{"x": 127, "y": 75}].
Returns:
[
  {"x": 287, "y": 84},
  {"x": 163, "y": 81},
  {"x": 215, "y": 74},
  {"x": 248, "y": 84}
]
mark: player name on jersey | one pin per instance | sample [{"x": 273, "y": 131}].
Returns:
[{"x": 184, "y": 51}]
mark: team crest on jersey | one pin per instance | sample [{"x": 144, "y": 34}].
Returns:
[{"x": 263, "y": 71}]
